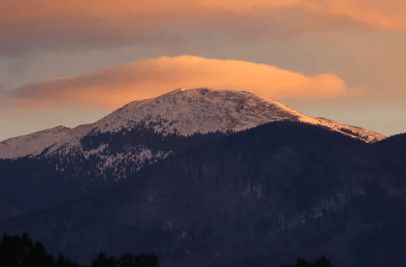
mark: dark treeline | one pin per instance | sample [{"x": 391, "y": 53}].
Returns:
[
  {"x": 300, "y": 262},
  {"x": 321, "y": 262},
  {"x": 20, "y": 251}
]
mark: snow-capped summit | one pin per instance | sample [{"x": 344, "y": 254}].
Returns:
[
  {"x": 185, "y": 112},
  {"x": 181, "y": 112}
]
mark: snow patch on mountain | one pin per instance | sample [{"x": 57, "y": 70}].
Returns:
[
  {"x": 137, "y": 156},
  {"x": 101, "y": 148}
]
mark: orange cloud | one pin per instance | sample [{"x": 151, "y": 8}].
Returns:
[
  {"x": 384, "y": 14},
  {"x": 378, "y": 14},
  {"x": 116, "y": 86},
  {"x": 48, "y": 23}
]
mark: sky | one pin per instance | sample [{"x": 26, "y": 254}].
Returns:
[{"x": 74, "y": 62}]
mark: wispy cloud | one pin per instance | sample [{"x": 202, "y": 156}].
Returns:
[
  {"x": 27, "y": 25},
  {"x": 116, "y": 86}
]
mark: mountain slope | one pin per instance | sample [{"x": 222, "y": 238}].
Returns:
[{"x": 273, "y": 193}]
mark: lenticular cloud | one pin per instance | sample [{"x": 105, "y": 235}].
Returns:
[{"x": 116, "y": 86}]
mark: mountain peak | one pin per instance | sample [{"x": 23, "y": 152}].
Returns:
[
  {"x": 200, "y": 110},
  {"x": 204, "y": 110}
]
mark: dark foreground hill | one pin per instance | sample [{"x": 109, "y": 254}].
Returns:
[{"x": 262, "y": 197}]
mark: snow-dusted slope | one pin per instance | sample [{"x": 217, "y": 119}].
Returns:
[
  {"x": 34, "y": 144},
  {"x": 180, "y": 112}
]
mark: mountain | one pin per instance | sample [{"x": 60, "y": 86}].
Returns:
[
  {"x": 192, "y": 171},
  {"x": 63, "y": 164},
  {"x": 180, "y": 112},
  {"x": 259, "y": 197}
]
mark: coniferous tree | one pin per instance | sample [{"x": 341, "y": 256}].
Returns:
[
  {"x": 321, "y": 262},
  {"x": 102, "y": 261},
  {"x": 127, "y": 260},
  {"x": 20, "y": 251},
  {"x": 10, "y": 251},
  {"x": 144, "y": 260},
  {"x": 63, "y": 262}
]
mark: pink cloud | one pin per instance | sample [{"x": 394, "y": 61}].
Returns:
[
  {"x": 116, "y": 86},
  {"x": 30, "y": 24}
]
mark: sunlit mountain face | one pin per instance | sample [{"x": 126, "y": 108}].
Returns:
[
  {"x": 180, "y": 112},
  {"x": 205, "y": 176}
]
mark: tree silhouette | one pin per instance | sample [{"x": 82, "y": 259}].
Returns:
[
  {"x": 9, "y": 251},
  {"x": 39, "y": 256},
  {"x": 63, "y": 262},
  {"x": 102, "y": 261},
  {"x": 127, "y": 260},
  {"x": 144, "y": 260},
  {"x": 20, "y": 251},
  {"x": 321, "y": 262}
]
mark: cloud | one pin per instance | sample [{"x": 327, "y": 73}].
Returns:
[
  {"x": 119, "y": 85},
  {"x": 30, "y": 24}
]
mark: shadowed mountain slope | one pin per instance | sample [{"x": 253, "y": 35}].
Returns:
[{"x": 266, "y": 195}]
